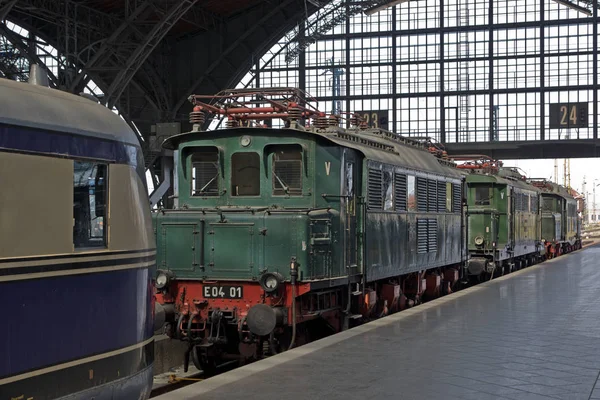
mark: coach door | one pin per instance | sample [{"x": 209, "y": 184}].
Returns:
[{"x": 349, "y": 212}]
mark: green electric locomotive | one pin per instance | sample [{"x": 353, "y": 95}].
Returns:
[
  {"x": 281, "y": 235},
  {"x": 561, "y": 227},
  {"x": 503, "y": 219}
]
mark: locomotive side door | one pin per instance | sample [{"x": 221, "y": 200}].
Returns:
[{"x": 349, "y": 210}]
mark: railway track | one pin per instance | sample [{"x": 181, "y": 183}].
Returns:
[{"x": 176, "y": 382}]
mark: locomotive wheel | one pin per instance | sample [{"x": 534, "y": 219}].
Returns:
[{"x": 203, "y": 362}]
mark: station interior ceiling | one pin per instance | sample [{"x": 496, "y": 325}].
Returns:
[{"x": 464, "y": 72}]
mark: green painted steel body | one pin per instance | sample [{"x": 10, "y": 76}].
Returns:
[
  {"x": 228, "y": 237},
  {"x": 331, "y": 227},
  {"x": 560, "y": 223},
  {"x": 503, "y": 219}
]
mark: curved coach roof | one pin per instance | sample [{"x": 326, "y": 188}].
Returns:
[
  {"x": 40, "y": 107},
  {"x": 403, "y": 155}
]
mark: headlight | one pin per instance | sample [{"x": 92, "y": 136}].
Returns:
[
  {"x": 270, "y": 281},
  {"x": 478, "y": 240},
  {"x": 162, "y": 279}
]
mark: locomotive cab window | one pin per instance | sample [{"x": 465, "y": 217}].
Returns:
[
  {"x": 205, "y": 172},
  {"x": 89, "y": 204},
  {"x": 483, "y": 195},
  {"x": 287, "y": 170},
  {"x": 245, "y": 174}
]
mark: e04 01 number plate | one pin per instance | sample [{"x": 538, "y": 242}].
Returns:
[{"x": 223, "y": 292}]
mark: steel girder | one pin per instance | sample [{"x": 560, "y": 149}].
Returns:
[
  {"x": 249, "y": 45},
  {"x": 141, "y": 53},
  {"x": 5, "y": 7},
  {"x": 79, "y": 33},
  {"x": 26, "y": 51},
  {"x": 130, "y": 60}
]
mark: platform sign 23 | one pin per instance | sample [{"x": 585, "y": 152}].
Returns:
[
  {"x": 375, "y": 118},
  {"x": 568, "y": 115}
]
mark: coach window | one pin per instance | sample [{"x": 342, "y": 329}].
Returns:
[
  {"x": 411, "y": 197},
  {"x": 287, "y": 170},
  {"x": 205, "y": 172},
  {"x": 89, "y": 204},
  {"x": 245, "y": 174}
]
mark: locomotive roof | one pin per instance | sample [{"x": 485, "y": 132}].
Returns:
[
  {"x": 486, "y": 178},
  {"x": 554, "y": 189},
  {"x": 40, "y": 107},
  {"x": 398, "y": 153},
  {"x": 403, "y": 154}
]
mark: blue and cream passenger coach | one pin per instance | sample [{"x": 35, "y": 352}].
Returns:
[{"x": 76, "y": 250}]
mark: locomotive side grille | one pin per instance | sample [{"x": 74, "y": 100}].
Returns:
[
  {"x": 441, "y": 199},
  {"x": 421, "y": 194},
  {"x": 432, "y": 235},
  {"x": 431, "y": 195},
  {"x": 426, "y": 235},
  {"x": 456, "y": 198},
  {"x": 534, "y": 204},
  {"x": 400, "y": 191},
  {"x": 422, "y": 236},
  {"x": 375, "y": 195}
]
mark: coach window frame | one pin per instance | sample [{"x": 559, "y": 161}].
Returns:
[{"x": 83, "y": 220}]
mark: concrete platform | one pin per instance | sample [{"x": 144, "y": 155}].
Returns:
[{"x": 534, "y": 334}]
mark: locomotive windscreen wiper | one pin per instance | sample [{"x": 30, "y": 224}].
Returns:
[
  {"x": 207, "y": 185},
  {"x": 283, "y": 185}
]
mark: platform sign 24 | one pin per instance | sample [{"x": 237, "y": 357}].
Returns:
[
  {"x": 375, "y": 118},
  {"x": 568, "y": 115}
]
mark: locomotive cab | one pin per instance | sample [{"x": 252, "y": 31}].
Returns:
[{"x": 255, "y": 221}]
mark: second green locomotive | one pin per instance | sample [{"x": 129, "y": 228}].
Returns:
[{"x": 503, "y": 219}]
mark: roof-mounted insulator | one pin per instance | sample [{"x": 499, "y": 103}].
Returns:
[
  {"x": 321, "y": 121},
  {"x": 334, "y": 120},
  {"x": 294, "y": 112},
  {"x": 232, "y": 123},
  {"x": 197, "y": 118}
]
